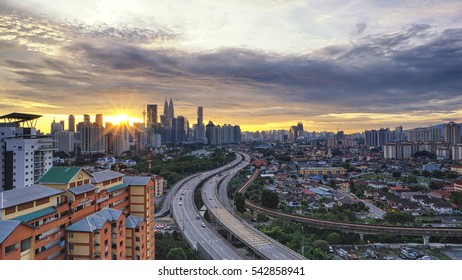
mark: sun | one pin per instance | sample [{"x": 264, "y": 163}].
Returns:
[{"x": 122, "y": 118}]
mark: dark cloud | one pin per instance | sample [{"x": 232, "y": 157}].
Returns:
[{"x": 388, "y": 73}]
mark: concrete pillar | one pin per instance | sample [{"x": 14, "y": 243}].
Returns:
[
  {"x": 361, "y": 236},
  {"x": 229, "y": 237},
  {"x": 426, "y": 239}
]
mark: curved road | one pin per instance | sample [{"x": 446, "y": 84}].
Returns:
[
  {"x": 247, "y": 234},
  {"x": 195, "y": 229}
]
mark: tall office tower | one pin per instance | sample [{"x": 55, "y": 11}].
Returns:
[
  {"x": 200, "y": 128},
  {"x": 398, "y": 134},
  {"x": 179, "y": 129},
  {"x": 299, "y": 129},
  {"x": 99, "y": 120},
  {"x": 71, "y": 123},
  {"x": 209, "y": 129},
  {"x": 166, "y": 107},
  {"x": 91, "y": 138},
  {"x": 151, "y": 113},
  {"x": 86, "y": 118},
  {"x": 237, "y": 134},
  {"x": 64, "y": 141},
  {"x": 293, "y": 133},
  {"x": 383, "y": 136},
  {"x": 200, "y": 115},
  {"x": 56, "y": 127},
  {"x": 370, "y": 137},
  {"x": 452, "y": 133},
  {"x": 171, "y": 110},
  {"x": 25, "y": 156}
]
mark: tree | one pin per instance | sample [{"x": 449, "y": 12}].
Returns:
[
  {"x": 239, "y": 202},
  {"x": 396, "y": 174},
  {"x": 269, "y": 199},
  {"x": 261, "y": 217},
  {"x": 333, "y": 238},
  {"x": 321, "y": 244},
  {"x": 437, "y": 174},
  {"x": 396, "y": 217},
  {"x": 176, "y": 254},
  {"x": 426, "y": 173},
  {"x": 434, "y": 186},
  {"x": 411, "y": 179},
  {"x": 456, "y": 197}
]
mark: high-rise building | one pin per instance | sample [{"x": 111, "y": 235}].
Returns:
[
  {"x": 86, "y": 118},
  {"x": 71, "y": 123},
  {"x": 171, "y": 110},
  {"x": 25, "y": 156},
  {"x": 56, "y": 127},
  {"x": 91, "y": 138},
  {"x": 200, "y": 115},
  {"x": 151, "y": 113},
  {"x": 64, "y": 141},
  {"x": 99, "y": 120},
  {"x": 370, "y": 137},
  {"x": 452, "y": 133}
]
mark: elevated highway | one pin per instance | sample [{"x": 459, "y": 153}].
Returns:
[
  {"x": 263, "y": 246},
  {"x": 361, "y": 229}
]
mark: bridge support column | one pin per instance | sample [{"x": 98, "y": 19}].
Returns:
[
  {"x": 229, "y": 237},
  {"x": 426, "y": 239}
]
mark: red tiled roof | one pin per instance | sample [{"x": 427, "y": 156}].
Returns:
[{"x": 307, "y": 192}]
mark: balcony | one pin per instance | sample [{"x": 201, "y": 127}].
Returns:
[
  {"x": 47, "y": 253},
  {"x": 49, "y": 239}
]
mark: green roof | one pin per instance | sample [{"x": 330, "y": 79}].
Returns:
[
  {"x": 35, "y": 215},
  {"x": 59, "y": 175},
  {"x": 116, "y": 188}
]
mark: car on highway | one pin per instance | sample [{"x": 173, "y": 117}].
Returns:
[
  {"x": 198, "y": 216},
  {"x": 180, "y": 204},
  {"x": 202, "y": 225}
]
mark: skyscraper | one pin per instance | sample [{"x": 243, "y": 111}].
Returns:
[
  {"x": 71, "y": 123},
  {"x": 86, "y": 118},
  {"x": 171, "y": 110},
  {"x": 151, "y": 114},
  {"x": 452, "y": 133},
  {"x": 200, "y": 127},
  {"x": 99, "y": 120},
  {"x": 200, "y": 116}
]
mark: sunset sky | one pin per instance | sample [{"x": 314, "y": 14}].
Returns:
[{"x": 263, "y": 64}]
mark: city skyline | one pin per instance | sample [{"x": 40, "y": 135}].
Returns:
[{"x": 347, "y": 66}]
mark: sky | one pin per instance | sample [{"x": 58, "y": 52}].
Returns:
[{"x": 262, "y": 64}]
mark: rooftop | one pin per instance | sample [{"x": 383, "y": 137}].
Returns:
[
  {"x": 95, "y": 221},
  {"x": 136, "y": 180},
  {"x": 6, "y": 228},
  {"x": 82, "y": 189},
  {"x": 133, "y": 221},
  {"x": 18, "y": 196},
  {"x": 60, "y": 175},
  {"x": 35, "y": 215},
  {"x": 105, "y": 175}
]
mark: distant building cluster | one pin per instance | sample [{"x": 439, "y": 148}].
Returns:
[
  {"x": 445, "y": 143},
  {"x": 99, "y": 137}
]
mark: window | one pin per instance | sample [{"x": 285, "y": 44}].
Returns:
[
  {"x": 25, "y": 244},
  {"x": 71, "y": 248},
  {"x": 11, "y": 248},
  {"x": 70, "y": 235}
]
